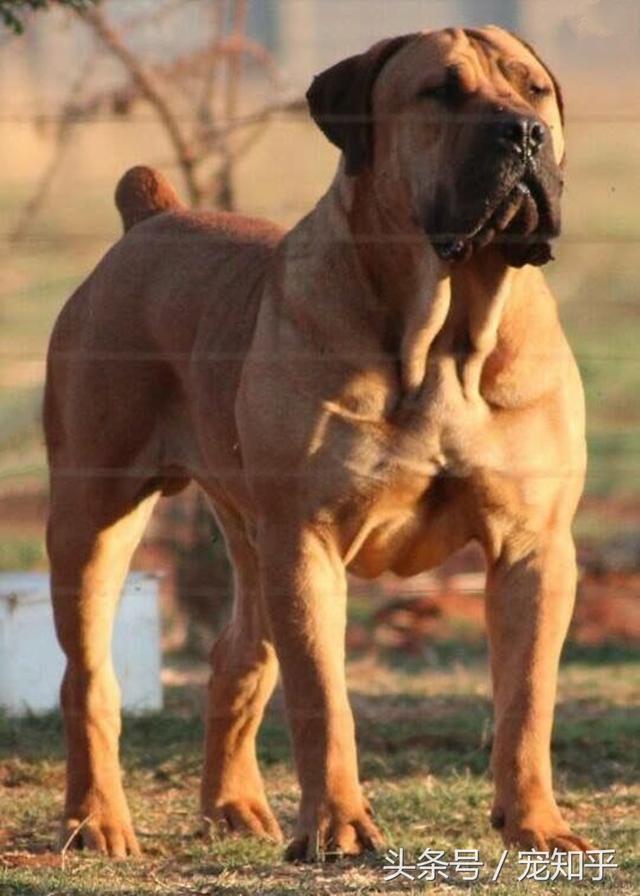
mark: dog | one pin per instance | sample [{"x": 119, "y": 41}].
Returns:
[{"x": 370, "y": 391}]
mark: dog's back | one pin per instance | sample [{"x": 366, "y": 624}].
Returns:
[{"x": 123, "y": 346}]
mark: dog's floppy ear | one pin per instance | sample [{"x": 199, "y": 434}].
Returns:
[{"x": 340, "y": 101}]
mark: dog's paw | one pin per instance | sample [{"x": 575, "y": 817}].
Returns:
[
  {"x": 251, "y": 816},
  {"x": 544, "y": 831},
  {"x": 546, "y": 839},
  {"x": 101, "y": 832},
  {"x": 335, "y": 834}
]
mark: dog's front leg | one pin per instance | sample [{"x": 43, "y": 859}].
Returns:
[
  {"x": 305, "y": 590},
  {"x": 530, "y": 599}
]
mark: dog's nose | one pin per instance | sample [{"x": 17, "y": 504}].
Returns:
[{"x": 524, "y": 134}]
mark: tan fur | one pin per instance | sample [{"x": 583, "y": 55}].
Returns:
[{"x": 346, "y": 401}]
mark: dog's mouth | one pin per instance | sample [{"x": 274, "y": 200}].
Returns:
[{"x": 522, "y": 219}]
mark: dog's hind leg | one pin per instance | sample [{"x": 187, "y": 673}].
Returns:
[
  {"x": 95, "y": 524},
  {"x": 244, "y": 671}
]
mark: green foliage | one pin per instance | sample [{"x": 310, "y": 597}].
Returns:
[
  {"x": 21, "y": 554},
  {"x": 12, "y": 12}
]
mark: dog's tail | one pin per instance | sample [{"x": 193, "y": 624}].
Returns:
[{"x": 142, "y": 193}]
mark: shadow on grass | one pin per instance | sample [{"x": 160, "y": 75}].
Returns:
[
  {"x": 399, "y": 734},
  {"x": 55, "y": 885},
  {"x": 442, "y": 654},
  {"x": 594, "y": 743}
]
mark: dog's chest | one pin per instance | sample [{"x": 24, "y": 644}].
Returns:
[
  {"x": 403, "y": 479},
  {"x": 402, "y": 443}
]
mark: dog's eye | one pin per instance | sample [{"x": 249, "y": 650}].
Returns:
[
  {"x": 537, "y": 91},
  {"x": 448, "y": 92}
]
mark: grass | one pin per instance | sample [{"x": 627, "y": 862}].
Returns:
[
  {"x": 424, "y": 738},
  {"x": 18, "y": 554}
]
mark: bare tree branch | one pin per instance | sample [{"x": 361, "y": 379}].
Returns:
[
  {"x": 205, "y": 104},
  {"x": 195, "y": 97},
  {"x": 63, "y": 135},
  {"x": 143, "y": 79},
  {"x": 234, "y": 74}
]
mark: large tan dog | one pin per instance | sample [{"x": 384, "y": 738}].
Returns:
[{"x": 368, "y": 392}]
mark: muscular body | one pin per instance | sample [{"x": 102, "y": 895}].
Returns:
[{"x": 352, "y": 395}]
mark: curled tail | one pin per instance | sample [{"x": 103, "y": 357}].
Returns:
[{"x": 142, "y": 193}]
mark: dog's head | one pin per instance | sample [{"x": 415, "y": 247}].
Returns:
[{"x": 464, "y": 129}]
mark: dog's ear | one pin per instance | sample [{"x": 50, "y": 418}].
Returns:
[
  {"x": 554, "y": 80},
  {"x": 340, "y": 101}
]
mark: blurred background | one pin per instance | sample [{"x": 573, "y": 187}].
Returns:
[{"x": 210, "y": 91}]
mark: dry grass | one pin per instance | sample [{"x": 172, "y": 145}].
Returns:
[{"x": 424, "y": 736}]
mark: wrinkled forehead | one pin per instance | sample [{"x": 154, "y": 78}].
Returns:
[{"x": 484, "y": 52}]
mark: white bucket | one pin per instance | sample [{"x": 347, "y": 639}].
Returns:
[{"x": 32, "y": 663}]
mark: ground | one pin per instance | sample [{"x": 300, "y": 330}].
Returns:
[{"x": 424, "y": 732}]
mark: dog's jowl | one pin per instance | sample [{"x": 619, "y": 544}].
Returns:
[{"x": 371, "y": 391}]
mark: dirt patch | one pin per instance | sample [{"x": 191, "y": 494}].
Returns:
[{"x": 30, "y": 860}]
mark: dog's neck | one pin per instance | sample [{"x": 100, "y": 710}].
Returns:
[
  {"x": 393, "y": 252},
  {"x": 381, "y": 278},
  {"x": 459, "y": 307}
]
